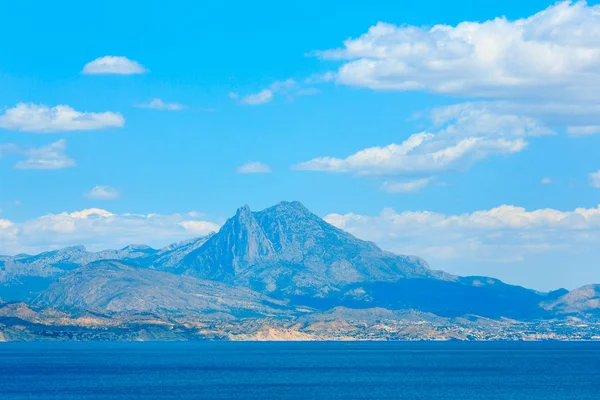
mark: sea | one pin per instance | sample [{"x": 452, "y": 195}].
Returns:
[{"x": 300, "y": 370}]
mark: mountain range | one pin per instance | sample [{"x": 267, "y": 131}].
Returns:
[{"x": 280, "y": 273}]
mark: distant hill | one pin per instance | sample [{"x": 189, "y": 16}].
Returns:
[
  {"x": 22, "y": 277},
  {"x": 115, "y": 287},
  {"x": 582, "y": 301}
]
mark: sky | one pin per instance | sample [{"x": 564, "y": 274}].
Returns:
[{"x": 464, "y": 132}]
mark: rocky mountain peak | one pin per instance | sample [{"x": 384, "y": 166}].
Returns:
[
  {"x": 287, "y": 209},
  {"x": 291, "y": 205},
  {"x": 240, "y": 241},
  {"x": 243, "y": 211},
  {"x": 286, "y": 245}
]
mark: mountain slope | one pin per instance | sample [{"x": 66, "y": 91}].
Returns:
[
  {"x": 582, "y": 301},
  {"x": 24, "y": 276},
  {"x": 117, "y": 287},
  {"x": 443, "y": 298},
  {"x": 171, "y": 256}
]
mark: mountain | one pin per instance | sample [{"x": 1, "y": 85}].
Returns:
[
  {"x": 56, "y": 262},
  {"x": 75, "y": 256},
  {"x": 287, "y": 250},
  {"x": 583, "y": 301},
  {"x": 115, "y": 287},
  {"x": 24, "y": 276},
  {"x": 171, "y": 257},
  {"x": 282, "y": 272},
  {"x": 441, "y": 297}
]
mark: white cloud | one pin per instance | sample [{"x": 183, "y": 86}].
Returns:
[
  {"x": 552, "y": 54},
  {"x": 5, "y": 224},
  {"x": 546, "y": 180},
  {"x": 113, "y": 65},
  {"x": 262, "y": 97},
  {"x": 577, "y": 115},
  {"x": 394, "y": 229},
  {"x": 285, "y": 87},
  {"x": 29, "y": 117},
  {"x": 158, "y": 104},
  {"x": 583, "y": 130},
  {"x": 100, "y": 192},
  {"x": 464, "y": 134},
  {"x": 546, "y": 66},
  {"x": 595, "y": 180},
  {"x": 99, "y": 229},
  {"x": 406, "y": 186},
  {"x": 199, "y": 227},
  {"x": 51, "y": 156},
  {"x": 87, "y": 213},
  {"x": 254, "y": 167},
  {"x": 233, "y": 95},
  {"x": 289, "y": 88}
]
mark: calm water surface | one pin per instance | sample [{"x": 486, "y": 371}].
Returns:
[{"x": 461, "y": 371}]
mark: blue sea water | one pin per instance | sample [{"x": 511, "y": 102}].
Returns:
[{"x": 226, "y": 370}]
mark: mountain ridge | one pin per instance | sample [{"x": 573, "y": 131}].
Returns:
[
  {"x": 116, "y": 287},
  {"x": 273, "y": 265}
]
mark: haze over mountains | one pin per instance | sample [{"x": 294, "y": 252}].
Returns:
[{"x": 274, "y": 267}]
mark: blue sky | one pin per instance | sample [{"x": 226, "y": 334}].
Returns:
[{"x": 505, "y": 115}]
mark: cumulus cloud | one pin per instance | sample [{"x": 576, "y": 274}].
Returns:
[
  {"x": 254, "y": 167},
  {"x": 396, "y": 228},
  {"x": 29, "y": 117},
  {"x": 113, "y": 65},
  {"x": 545, "y": 66},
  {"x": 595, "y": 180},
  {"x": 100, "y": 192},
  {"x": 489, "y": 242},
  {"x": 158, "y": 104},
  {"x": 551, "y": 54},
  {"x": 462, "y": 135},
  {"x": 99, "y": 229},
  {"x": 52, "y": 156}
]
